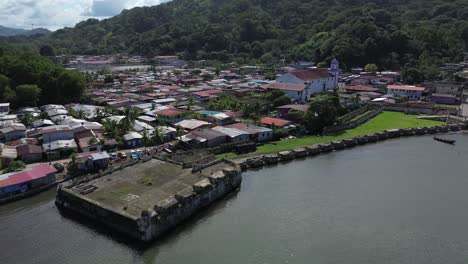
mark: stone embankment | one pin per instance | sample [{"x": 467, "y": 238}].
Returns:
[
  {"x": 167, "y": 204},
  {"x": 285, "y": 156}
]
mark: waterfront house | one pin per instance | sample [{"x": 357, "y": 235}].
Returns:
[
  {"x": 29, "y": 153},
  {"x": 257, "y": 133},
  {"x": 234, "y": 135},
  {"x": 412, "y": 93},
  {"x": 274, "y": 122},
  {"x": 7, "y": 155},
  {"x": 12, "y": 132},
  {"x": 29, "y": 179},
  {"x": 204, "y": 138},
  {"x": 93, "y": 161},
  {"x": 133, "y": 139}
]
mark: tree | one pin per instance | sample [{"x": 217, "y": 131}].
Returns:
[
  {"x": 371, "y": 68},
  {"x": 111, "y": 128},
  {"x": 282, "y": 100},
  {"x": 47, "y": 51},
  {"x": 16, "y": 165},
  {"x": 6, "y": 93},
  {"x": 158, "y": 136},
  {"x": 74, "y": 164},
  {"x": 127, "y": 123},
  {"x": 322, "y": 64},
  {"x": 27, "y": 119},
  {"x": 323, "y": 111},
  {"x": 28, "y": 95},
  {"x": 146, "y": 140}
]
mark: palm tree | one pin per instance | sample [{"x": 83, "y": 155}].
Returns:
[
  {"x": 110, "y": 128},
  {"x": 131, "y": 114},
  {"x": 145, "y": 140},
  {"x": 158, "y": 136}
]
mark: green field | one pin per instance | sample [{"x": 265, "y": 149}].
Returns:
[{"x": 384, "y": 121}]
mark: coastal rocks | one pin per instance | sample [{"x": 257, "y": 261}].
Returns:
[
  {"x": 372, "y": 138},
  {"x": 454, "y": 128},
  {"x": 338, "y": 145},
  {"x": 255, "y": 162},
  {"x": 361, "y": 140},
  {"x": 431, "y": 130},
  {"x": 325, "y": 148},
  {"x": 313, "y": 150},
  {"x": 393, "y": 133},
  {"x": 407, "y": 132},
  {"x": 300, "y": 153},
  {"x": 382, "y": 135},
  {"x": 271, "y": 159},
  {"x": 286, "y": 155},
  {"x": 349, "y": 143}
]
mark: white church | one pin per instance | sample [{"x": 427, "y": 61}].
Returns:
[{"x": 300, "y": 85}]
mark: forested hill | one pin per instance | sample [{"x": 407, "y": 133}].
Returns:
[{"x": 390, "y": 33}]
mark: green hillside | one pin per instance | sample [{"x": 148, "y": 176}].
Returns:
[{"x": 390, "y": 33}]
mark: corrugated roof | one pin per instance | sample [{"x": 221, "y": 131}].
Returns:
[
  {"x": 286, "y": 86},
  {"x": 26, "y": 175},
  {"x": 274, "y": 121},
  {"x": 312, "y": 74}
]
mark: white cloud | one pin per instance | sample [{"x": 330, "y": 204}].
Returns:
[{"x": 54, "y": 14}]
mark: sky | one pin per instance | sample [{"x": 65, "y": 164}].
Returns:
[{"x": 55, "y": 14}]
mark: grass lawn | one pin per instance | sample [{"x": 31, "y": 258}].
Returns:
[{"x": 384, "y": 121}]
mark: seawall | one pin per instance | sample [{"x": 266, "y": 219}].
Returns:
[{"x": 285, "y": 156}]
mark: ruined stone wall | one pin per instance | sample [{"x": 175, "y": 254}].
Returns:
[
  {"x": 69, "y": 200},
  {"x": 165, "y": 215},
  {"x": 353, "y": 124}
]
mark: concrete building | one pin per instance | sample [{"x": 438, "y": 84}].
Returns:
[
  {"x": 205, "y": 138},
  {"x": 315, "y": 80},
  {"x": 92, "y": 161},
  {"x": 412, "y": 93},
  {"x": 235, "y": 135},
  {"x": 257, "y": 133},
  {"x": 133, "y": 140}
]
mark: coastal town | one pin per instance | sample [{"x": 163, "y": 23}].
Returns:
[{"x": 134, "y": 107}]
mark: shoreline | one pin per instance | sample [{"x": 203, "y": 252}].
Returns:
[{"x": 259, "y": 161}]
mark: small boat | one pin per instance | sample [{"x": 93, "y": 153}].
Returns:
[{"x": 444, "y": 140}]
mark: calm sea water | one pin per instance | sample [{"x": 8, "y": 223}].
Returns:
[{"x": 401, "y": 201}]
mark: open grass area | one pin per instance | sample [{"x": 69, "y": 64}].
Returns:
[{"x": 384, "y": 121}]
